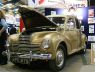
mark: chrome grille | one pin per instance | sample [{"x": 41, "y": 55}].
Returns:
[
  {"x": 25, "y": 46},
  {"x": 28, "y": 47},
  {"x": 24, "y": 39},
  {"x": 13, "y": 47}
]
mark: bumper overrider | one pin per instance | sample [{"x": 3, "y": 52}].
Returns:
[{"x": 29, "y": 57}]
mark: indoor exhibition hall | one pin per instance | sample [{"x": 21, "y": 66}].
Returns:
[{"x": 47, "y": 36}]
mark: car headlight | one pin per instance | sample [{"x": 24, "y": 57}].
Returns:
[{"x": 45, "y": 43}]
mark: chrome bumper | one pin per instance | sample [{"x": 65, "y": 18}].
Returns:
[{"x": 27, "y": 58}]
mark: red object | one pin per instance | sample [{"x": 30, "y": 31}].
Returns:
[
  {"x": 41, "y": 1},
  {"x": 21, "y": 24}
]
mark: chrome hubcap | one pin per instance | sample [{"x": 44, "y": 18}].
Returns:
[{"x": 60, "y": 58}]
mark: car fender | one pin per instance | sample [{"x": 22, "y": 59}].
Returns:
[{"x": 58, "y": 39}]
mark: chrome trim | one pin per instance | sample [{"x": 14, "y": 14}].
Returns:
[
  {"x": 30, "y": 55},
  {"x": 24, "y": 39}
]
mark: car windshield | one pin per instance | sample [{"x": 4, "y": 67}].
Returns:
[{"x": 57, "y": 20}]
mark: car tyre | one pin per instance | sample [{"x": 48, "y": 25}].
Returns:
[{"x": 59, "y": 62}]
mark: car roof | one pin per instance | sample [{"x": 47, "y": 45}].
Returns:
[{"x": 62, "y": 15}]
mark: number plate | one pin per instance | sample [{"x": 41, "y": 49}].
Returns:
[{"x": 23, "y": 60}]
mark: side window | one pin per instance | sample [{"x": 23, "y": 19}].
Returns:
[
  {"x": 77, "y": 23},
  {"x": 71, "y": 23}
]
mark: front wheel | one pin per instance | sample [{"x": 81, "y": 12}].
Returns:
[{"x": 58, "y": 63}]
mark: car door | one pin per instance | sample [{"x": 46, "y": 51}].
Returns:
[
  {"x": 72, "y": 33},
  {"x": 78, "y": 32}
]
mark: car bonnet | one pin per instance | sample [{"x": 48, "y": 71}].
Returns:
[{"x": 32, "y": 18}]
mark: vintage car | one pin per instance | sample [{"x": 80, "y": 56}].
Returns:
[{"x": 50, "y": 38}]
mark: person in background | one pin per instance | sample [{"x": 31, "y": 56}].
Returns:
[
  {"x": 10, "y": 18},
  {"x": 3, "y": 38},
  {"x": 13, "y": 30}
]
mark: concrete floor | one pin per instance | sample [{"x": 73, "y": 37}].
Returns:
[
  {"x": 75, "y": 63},
  {"x": 89, "y": 67}
]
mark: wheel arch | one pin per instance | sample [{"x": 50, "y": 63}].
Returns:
[{"x": 65, "y": 46}]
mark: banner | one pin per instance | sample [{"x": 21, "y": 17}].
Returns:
[{"x": 58, "y": 3}]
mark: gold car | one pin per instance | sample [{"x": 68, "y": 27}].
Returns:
[{"x": 49, "y": 38}]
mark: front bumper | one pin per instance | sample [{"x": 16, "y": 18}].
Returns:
[{"x": 27, "y": 58}]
